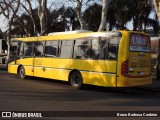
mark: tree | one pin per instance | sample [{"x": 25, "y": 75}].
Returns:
[
  {"x": 30, "y": 17},
  {"x": 104, "y": 15},
  {"x": 78, "y": 5},
  {"x": 91, "y": 16},
  {"x": 31, "y": 14},
  {"x": 9, "y": 9},
  {"x": 42, "y": 6},
  {"x": 120, "y": 13},
  {"x": 111, "y": 19},
  {"x": 79, "y": 13},
  {"x": 24, "y": 25},
  {"x": 140, "y": 15},
  {"x": 157, "y": 7},
  {"x": 56, "y": 21},
  {"x": 78, "y": 9}
]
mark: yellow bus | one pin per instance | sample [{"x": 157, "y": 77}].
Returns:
[{"x": 109, "y": 59}]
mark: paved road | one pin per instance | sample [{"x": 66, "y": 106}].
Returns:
[{"x": 35, "y": 94}]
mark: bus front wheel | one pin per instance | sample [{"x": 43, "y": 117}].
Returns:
[
  {"x": 76, "y": 80},
  {"x": 21, "y": 72}
]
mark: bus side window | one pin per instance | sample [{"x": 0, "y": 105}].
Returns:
[
  {"x": 38, "y": 48},
  {"x": 113, "y": 48},
  {"x": 51, "y": 49},
  {"x": 14, "y": 50},
  {"x": 98, "y": 48},
  {"x": 66, "y": 49},
  {"x": 28, "y": 49},
  {"x": 82, "y": 49}
]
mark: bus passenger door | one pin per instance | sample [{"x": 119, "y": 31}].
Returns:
[
  {"x": 27, "y": 58},
  {"x": 38, "y": 59}
]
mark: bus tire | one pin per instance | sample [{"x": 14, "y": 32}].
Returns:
[
  {"x": 76, "y": 80},
  {"x": 21, "y": 73}
]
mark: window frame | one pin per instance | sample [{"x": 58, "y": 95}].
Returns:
[
  {"x": 89, "y": 45},
  {"x": 99, "y": 43},
  {"x": 60, "y": 49},
  {"x": 32, "y": 54},
  {"x": 57, "y": 52},
  {"x": 43, "y": 49}
]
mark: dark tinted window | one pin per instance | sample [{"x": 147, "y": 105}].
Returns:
[
  {"x": 82, "y": 48},
  {"x": 14, "y": 50},
  {"x": 51, "y": 48},
  {"x": 66, "y": 49},
  {"x": 28, "y": 48},
  {"x": 38, "y": 48}
]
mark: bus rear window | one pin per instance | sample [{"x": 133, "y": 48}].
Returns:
[{"x": 140, "y": 43}]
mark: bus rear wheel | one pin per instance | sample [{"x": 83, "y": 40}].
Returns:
[
  {"x": 76, "y": 80},
  {"x": 21, "y": 73}
]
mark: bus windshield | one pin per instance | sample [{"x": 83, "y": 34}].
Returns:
[{"x": 139, "y": 43}]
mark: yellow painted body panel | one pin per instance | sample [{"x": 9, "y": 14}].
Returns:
[
  {"x": 129, "y": 82},
  {"x": 124, "y": 54},
  {"x": 51, "y": 73},
  {"x": 99, "y": 79},
  {"x": 101, "y": 73},
  {"x": 95, "y": 72},
  {"x": 28, "y": 65},
  {"x": 12, "y": 68}
]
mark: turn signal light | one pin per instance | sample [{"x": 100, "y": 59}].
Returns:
[{"x": 124, "y": 68}]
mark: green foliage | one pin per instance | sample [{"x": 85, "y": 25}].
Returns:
[
  {"x": 121, "y": 12},
  {"x": 118, "y": 14},
  {"x": 27, "y": 22},
  {"x": 56, "y": 22},
  {"x": 92, "y": 16}
]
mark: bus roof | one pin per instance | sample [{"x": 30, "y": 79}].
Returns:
[
  {"x": 66, "y": 36},
  {"x": 71, "y": 35}
]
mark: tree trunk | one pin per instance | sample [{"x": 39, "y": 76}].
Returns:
[
  {"x": 157, "y": 7},
  {"x": 139, "y": 25},
  {"x": 121, "y": 25},
  {"x": 42, "y": 14},
  {"x": 32, "y": 17},
  {"x": 21, "y": 23},
  {"x": 8, "y": 40},
  {"x": 30, "y": 12},
  {"x": 79, "y": 13},
  {"x": 134, "y": 24},
  {"x": 103, "y": 15},
  {"x": 145, "y": 26}
]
